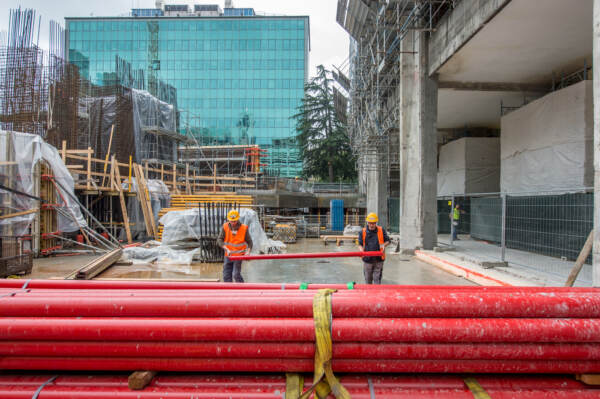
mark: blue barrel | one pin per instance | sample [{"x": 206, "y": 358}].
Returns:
[{"x": 337, "y": 214}]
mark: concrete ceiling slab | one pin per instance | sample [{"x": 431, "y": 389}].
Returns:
[
  {"x": 458, "y": 109},
  {"x": 525, "y": 43}
]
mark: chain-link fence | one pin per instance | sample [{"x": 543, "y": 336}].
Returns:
[{"x": 542, "y": 232}]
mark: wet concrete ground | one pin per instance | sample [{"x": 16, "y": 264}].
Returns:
[{"x": 398, "y": 269}]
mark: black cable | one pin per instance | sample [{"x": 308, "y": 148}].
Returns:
[{"x": 3, "y": 187}]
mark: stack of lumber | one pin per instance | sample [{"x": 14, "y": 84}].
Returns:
[
  {"x": 87, "y": 325},
  {"x": 96, "y": 266},
  {"x": 192, "y": 201}
]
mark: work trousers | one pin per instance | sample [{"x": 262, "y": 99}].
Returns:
[
  {"x": 373, "y": 272},
  {"x": 232, "y": 266}
]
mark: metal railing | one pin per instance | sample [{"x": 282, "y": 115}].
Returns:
[
  {"x": 302, "y": 186},
  {"x": 543, "y": 232}
]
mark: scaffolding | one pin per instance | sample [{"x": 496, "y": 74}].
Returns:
[
  {"x": 378, "y": 29},
  {"x": 228, "y": 160}
]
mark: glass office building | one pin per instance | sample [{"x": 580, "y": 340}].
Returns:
[{"x": 238, "y": 79}]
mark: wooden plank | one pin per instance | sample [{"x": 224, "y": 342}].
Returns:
[
  {"x": 14, "y": 215},
  {"x": 112, "y": 128},
  {"x": 116, "y": 178},
  {"x": 64, "y": 151},
  {"x": 175, "y": 178},
  {"x": 215, "y": 178},
  {"x": 146, "y": 193},
  {"x": 142, "y": 200},
  {"x": 89, "y": 168},
  {"x": 585, "y": 252},
  {"x": 96, "y": 266},
  {"x": 589, "y": 379},
  {"x": 188, "y": 188},
  {"x": 140, "y": 379}
]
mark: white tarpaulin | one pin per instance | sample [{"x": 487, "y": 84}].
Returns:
[
  {"x": 547, "y": 144},
  {"x": 180, "y": 226},
  {"x": 26, "y": 150},
  {"x": 469, "y": 165}
]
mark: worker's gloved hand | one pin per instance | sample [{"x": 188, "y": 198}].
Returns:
[
  {"x": 226, "y": 251},
  {"x": 247, "y": 252},
  {"x": 382, "y": 248}
]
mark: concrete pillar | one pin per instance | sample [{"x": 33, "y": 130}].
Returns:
[
  {"x": 596, "y": 64},
  {"x": 377, "y": 189},
  {"x": 418, "y": 146}
]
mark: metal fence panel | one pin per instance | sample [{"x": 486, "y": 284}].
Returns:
[{"x": 542, "y": 232}]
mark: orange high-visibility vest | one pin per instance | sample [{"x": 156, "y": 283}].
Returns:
[
  {"x": 379, "y": 237},
  {"x": 235, "y": 243}
]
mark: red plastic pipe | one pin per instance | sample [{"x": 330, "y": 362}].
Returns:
[
  {"x": 151, "y": 393},
  {"x": 289, "y": 329},
  {"x": 352, "y": 381},
  {"x": 167, "y": 285},
  {"x": 299, "y": 365},
  {"x": 272, "y": 303},
  {"x": 359, "y": 254},
  {"x": 303, "y": 350}
]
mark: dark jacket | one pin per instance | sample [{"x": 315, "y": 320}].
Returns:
[{"x": 372, "y": 244}]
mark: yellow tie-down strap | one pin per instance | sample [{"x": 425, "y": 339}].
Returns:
[
  {"x": 476, "y": 389},
  {"x": 324, "y": 381}
]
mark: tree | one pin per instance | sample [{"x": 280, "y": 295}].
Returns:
[{"x": 324, "y": 145}]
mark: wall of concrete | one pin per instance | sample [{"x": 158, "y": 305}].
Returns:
[
  {"x": 596, "y": 250},
  {"x": 457, "y": 27},
  {"x": 377, "y": 193},
  {"x": 418, "y": 145}
]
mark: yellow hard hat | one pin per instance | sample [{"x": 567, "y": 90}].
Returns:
[
  {"x": 233, "y": 215},
  {"x": 372, "y": 218}
]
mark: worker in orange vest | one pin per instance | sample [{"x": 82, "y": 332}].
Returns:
[
  {"x": 373, "y": 238},
  {"x": 235, "y": 239}
]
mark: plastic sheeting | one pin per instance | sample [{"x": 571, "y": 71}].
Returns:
[
  {"x": 352, "y": 230},
  {"x": 148, "y": 111},
  {"x": 27, "y": 150},
  {"x": 182, "y": 226},
  {"x": 130, "y": 112},
  {"x": 547, "y": 145},
  {"x": 469, "y": 165},
  {"x": 162, "y": 255}
]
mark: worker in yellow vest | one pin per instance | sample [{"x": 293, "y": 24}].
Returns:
[
  {"x": 235, "y": 239},
  {"x": 373, "y": 238}
]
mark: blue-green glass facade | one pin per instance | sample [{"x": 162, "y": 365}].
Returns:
[{"x": 238, "y": 80}]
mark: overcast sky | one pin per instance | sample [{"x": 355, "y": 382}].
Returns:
[{"x": 329, "y": 42}]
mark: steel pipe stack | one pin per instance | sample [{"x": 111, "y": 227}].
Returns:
[
  {"x": 274, "y": 386},
  {"x": 87, "y": 325}
]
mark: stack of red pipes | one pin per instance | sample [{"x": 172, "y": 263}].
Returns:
[
  {"x": 273, "y": 387},
  {"x": 72, "y": 325}
]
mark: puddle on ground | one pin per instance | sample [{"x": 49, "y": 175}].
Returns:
[{"x": 165, "y": 271}]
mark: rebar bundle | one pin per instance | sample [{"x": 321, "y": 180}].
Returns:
[{"x": 212, "y": 216}]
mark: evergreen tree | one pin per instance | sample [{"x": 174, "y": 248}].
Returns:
[{"x": 322, "y": 138}]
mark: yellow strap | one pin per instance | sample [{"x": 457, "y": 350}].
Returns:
[
  {"x": 476, "y": 389},
  {"x": 293, "y": 385},
  {"x": 324, "y": 381}
]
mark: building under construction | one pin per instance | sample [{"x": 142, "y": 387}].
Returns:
[
  {"x": 453, "y": 103},
  {"x": 141, "y": 196}
]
